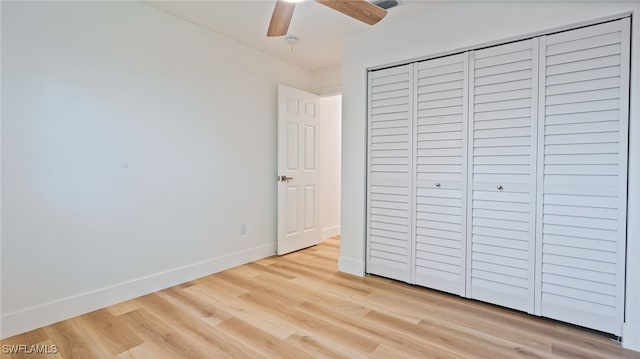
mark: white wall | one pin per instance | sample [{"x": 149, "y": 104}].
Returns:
[
  {"x": 331, "y": 119},
  {"x": 327, "y": 81},
  {"x": 459, "y": 26},
  {"x": 134, "y": 144}
]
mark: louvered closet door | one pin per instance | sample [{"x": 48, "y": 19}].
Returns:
[
  {"x": 503, "y": 91},
  {"x": 390, "y": 167},
  {"x": 440, "y": 176},
  {"x": 583, "y": 162}
]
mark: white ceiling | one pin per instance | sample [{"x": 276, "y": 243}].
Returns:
[{"x": 320, "y": 30}]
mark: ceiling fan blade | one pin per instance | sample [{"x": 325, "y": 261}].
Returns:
[
  {"x": 281, "y": 18},
  {"x": 357, "y": 9}
]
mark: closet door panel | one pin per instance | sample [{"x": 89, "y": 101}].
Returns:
[
  {"x": 440, "y": 171},
  {"x": 582, "y": 175},
  {"x": 502, "y": 134},
  {"x": 390, "y": 164}
]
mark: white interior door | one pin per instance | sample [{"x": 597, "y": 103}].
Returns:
[
  {"x": 502, "y": 167},
  {"x": 298, "y": 173},
  {"x": 583, "y": 175},
  {"x": 389, "y": 186},
  {"x": 440, "y": 177}
]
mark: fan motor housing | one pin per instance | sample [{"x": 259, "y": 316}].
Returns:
[{"x": 385, "y": 4}]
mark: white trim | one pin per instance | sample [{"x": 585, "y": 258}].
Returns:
[
  {"x": 536, "y": 103},
  {"x": 351, "y": 266},
  {"x": 367, "y": 196},
  {"x": 413, "y": 163},
  {"x": 541, "y": 120},
  {"x": 623, "y": 172},
  {"x": 330, "y": 232},
  {"x": 468, "y": 173},
  {"x": 48, "y": 313},
  {"x": 466, "y": 199},
  {"x": 631, "y": 327}
]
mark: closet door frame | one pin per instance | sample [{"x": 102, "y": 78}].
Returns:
[{"x": 537, "y": 159}]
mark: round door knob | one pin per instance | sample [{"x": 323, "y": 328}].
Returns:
[
  {"x": 499, "y": 187},
  {"x": 437, "y": 184}
]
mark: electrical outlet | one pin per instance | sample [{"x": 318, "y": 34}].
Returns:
[{"x": 243, "y": 229}]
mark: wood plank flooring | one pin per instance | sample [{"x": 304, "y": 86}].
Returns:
[{"x": 300, "y": 306}]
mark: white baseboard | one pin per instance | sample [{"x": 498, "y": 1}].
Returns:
[
  {"x": 48, "y": 313},
  {"x": 351, "y": 266},
  {"x": 330, "y": 232},
  {"x": 631, "y": 336}
]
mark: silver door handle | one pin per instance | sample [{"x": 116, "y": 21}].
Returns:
[
  {"x": 285, "y": 179},
  {"x": 499, "y": 187}
]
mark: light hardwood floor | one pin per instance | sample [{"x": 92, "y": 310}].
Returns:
[{"x": 300, "y": 306}]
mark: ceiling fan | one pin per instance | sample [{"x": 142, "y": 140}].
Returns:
[{"x": 357, "y": 9}]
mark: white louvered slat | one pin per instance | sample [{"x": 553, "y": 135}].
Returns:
[
  {"x": 440, "y": 172},
  {"x": 389, "y": 189},
  {"x": 503, "y": 100},
  {"x": 582, "y": 174}
]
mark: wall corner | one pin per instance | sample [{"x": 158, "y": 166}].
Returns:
[
  {"x": 351, "y": 266},
  {"x": 631, "y": 336}
]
